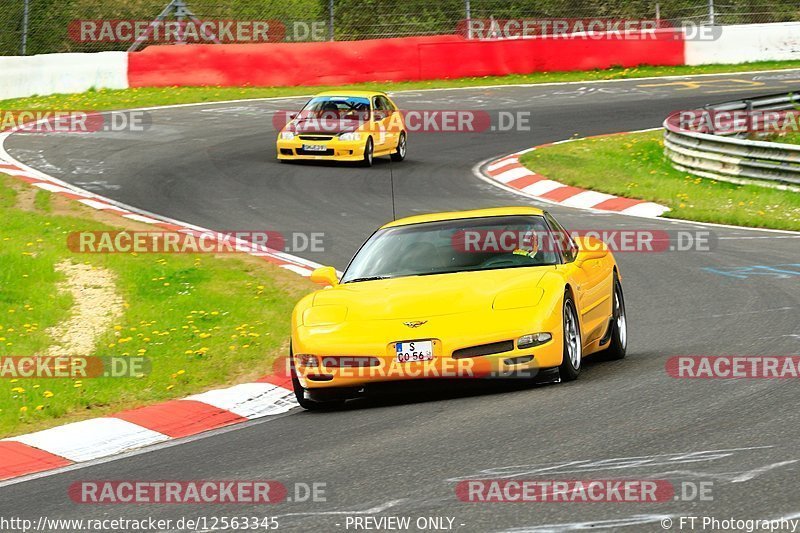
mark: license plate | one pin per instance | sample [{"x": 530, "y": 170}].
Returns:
[
  {"x": 314, "y": 147},
  {"x": 413, "y": 351}
]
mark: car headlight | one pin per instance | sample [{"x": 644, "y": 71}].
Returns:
[
  {"x": 287, "y": 135},
  {"x": 307, "y": 360},
  {"x": 350, "y": 136},
  {"x": 534, "y": 339}
]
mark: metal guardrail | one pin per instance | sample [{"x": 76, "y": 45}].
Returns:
[{"x": 728, "y": 156}]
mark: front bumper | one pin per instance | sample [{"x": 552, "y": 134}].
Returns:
[
  {"x": 344, "y": 358},
  {"x": 335, "y": 150}
]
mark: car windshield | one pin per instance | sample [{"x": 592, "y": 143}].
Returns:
[
  {"x": 336, "y": 108},
  {"x": 448, "y": 246}
]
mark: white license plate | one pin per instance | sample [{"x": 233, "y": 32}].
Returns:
[
  {"x": 314, "y": 147},
  {"x": 413, "y": 351}
]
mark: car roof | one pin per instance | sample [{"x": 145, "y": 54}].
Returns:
[
  {"x": 350, "y": 92},
  {"x": 458, "y": 215}
]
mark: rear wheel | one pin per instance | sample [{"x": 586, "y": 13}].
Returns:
[
  {"x": 400, "y": 153},
  {"x": 369, "y": 153},
  {"x": 573, "y": 347},
  {"x": 619, "y": 325}
]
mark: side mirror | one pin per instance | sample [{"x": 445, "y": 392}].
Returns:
[
  {"x": 591, "y": 248},
  {"x": 293, "y": 116},
  {"x": 325, "y": 276}
]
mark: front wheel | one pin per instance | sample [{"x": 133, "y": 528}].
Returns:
[
  {"x": 619, "y": 324},
  {"x": 400, "y": 153},
  {"x": 369, "y": 153},
  {"x": 573, "y": 347}
]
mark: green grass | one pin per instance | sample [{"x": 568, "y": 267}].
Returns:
[
  {"x": 147, "y": 97},
  {"x": 788, "y": 138},
  {"x": 203, "y": 321},
  {"x": 633, "y": 165}
]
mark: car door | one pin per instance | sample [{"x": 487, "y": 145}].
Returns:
[
  {"x": 396, "y": 122},
  {"x": 592, "y": 281},
  {"x": 381, "y": 120}
]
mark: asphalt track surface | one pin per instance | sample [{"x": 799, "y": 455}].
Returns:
[{"x": 214, "y": 165}]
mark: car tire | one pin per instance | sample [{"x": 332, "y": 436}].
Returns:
[
  {"x": 369, "y": 153},
  {"x": 570, "y": 367},
  {"x": 402, "y": 146},
  {"x": 299, "y": 393},
  {"x": 618, "y": 345}
]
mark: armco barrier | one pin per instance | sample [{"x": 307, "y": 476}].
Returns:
[
  {"x": 729, "y": 157},
  {"x": 406, "y": 59}
]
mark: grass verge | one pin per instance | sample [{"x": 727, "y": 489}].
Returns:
[
  {"x": 147, "y": 97},
  {"x": 633, "y": 165},
  {"x": 203, "y": 321},
  {"x": 787, "y": 138}
]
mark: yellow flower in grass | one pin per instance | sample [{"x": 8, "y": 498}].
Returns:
[
  {"x": 23, "y": 409},
  {"x": 39, "y": 407},
  {"x": 48, "y": 394}
]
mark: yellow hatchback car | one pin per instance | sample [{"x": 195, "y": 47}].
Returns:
[
  {"x": 345, "y": 126},
  {"x": 476, "y": 294}
]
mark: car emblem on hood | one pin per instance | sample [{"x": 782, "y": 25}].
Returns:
[{"x": 415, "y": 324}]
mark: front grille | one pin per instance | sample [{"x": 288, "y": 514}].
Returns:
[
  {"x": 316, "y": 137},
  {"x": 484, "y": 349},
  {"x": 301, "y": 151}
]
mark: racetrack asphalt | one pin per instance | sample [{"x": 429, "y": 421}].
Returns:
[{"x": 214, "y": 165}]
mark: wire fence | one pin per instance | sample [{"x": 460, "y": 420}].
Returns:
[{"x": 48, "y": 26}]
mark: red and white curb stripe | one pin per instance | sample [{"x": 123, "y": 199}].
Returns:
[
  {"x": 298, "y": 265},
  {"x": 129, "y": 430},
  {"x": 509, "y": 172}
]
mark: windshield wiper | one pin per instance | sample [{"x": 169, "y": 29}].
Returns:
[{"x": 368, "y": 278}]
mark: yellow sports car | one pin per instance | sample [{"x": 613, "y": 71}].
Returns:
[
  {"x": 345, "y": 126},
  {"x": 473, "y": 294}
]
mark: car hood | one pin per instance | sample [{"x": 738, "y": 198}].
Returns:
[{"x": 417, "y": 297}]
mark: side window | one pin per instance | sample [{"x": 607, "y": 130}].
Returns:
[
  {"x": 387, "y": 105},
  {"x": 380, "y": 112},
  {"x": 569, "y": 250}
]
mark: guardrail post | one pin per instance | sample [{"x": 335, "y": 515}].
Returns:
[
  {"x": 25, "y": 16},
  {"x": 330, "y": 20},
  {"x": 468, "y": 13}
]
